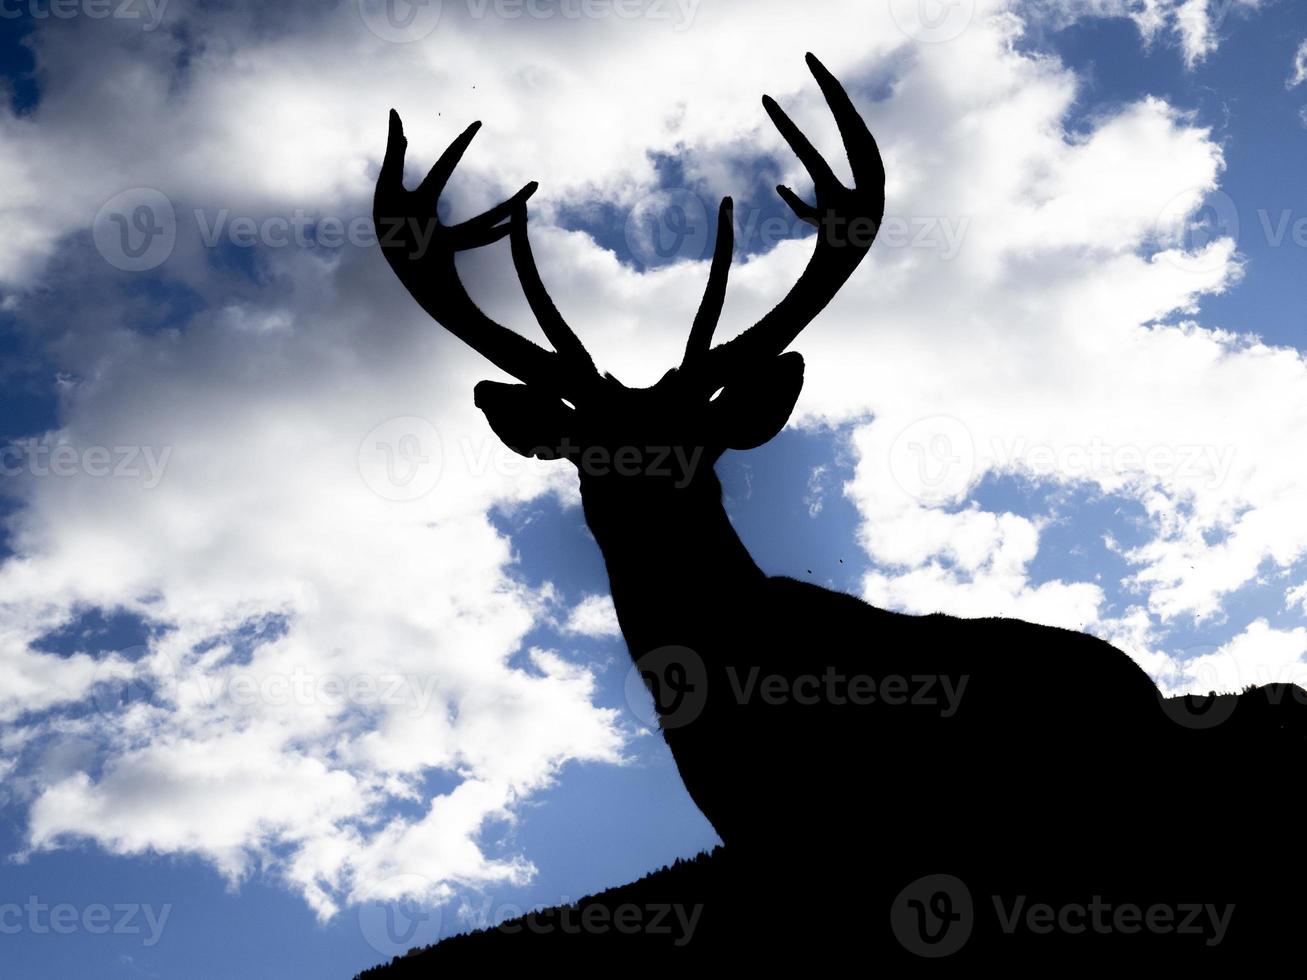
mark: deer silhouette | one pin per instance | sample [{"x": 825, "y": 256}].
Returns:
[{"x": 844, "y": 736}]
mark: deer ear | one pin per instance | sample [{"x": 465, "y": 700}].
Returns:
[
  {"x": 528, "y": 422},
  {"x": 749, "y": 412}
]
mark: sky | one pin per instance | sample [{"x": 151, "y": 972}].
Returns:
[{"x": 302, "y": 667}]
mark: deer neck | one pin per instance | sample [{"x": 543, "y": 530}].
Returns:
[{"x": 676, "y": 566}]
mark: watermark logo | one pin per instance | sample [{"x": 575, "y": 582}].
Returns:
[
  {"x": 933, "y": 21},
  {"x": 1107, "y": 918},
  {"x": 136, "y": 230},
  {"x": 1194, "y": 220},
  {"x": 304, "y": 688},
  {"x": 1201, "y": 711},
  {"x": 133, "y": 678},
  {"x": 831, "y": 688},
  {"x": 393, "y": 920},
  {"x": 139, "y": 227},
  {"x": 149, "y": 12},
  {"x": 65, "y": 919},
  {"x": 933, "y": 459},
  {"x": 674, "y": 224},
  {"x": 40, "y": 458},
  {"x": 299, "y": 230},
  {"x": 401, "y": 459},
  {"x": 675, "y": 921},
  {"x": 668, "y": 226},
  {"x": 400, "y": 21},
  {"x": 933, "y": 916},
  {"x": 1198, "y": 464},
  {"x": 667, "y": 687}
]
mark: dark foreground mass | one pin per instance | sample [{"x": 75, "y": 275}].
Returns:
[{"x": 1215, "y": 886}]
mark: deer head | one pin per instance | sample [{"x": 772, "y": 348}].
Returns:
[{"x": 736, "y": 395}]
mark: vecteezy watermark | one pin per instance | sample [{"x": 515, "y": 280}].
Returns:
[
  {"x": 1194, "y": 221},
  {"x": 133, "y": 678},
  {"x": 834, "y": 688},
  {"x": 1283, "y": 226},
  {"x": 1190, "y": 463},
  {"x": 1205, "y": 671},
  {"x": 934, "y": 459},
  {"x": 304, "y": 688},
  {"x": 667, "y": 226},
  {"x": 399, "y": 914},
  {"x": 1019, "y": 914},
  {"x": 136, "y": 230},
  {"x": 676, "y": 680},
  {"x": 675, "y": 463},
  {"x": 628, "y": 918},
  {"x": 935, "y": 916},
  {"x": 36, "y": 457},
  {"x": 405, "y": 21},
  {"x": 401, "y": 459},
  {"x": 676, "y": 224},
  {"x": 1197, "y": 217},
  {"x": 65, "y": 919},
  {"x": 149, "y": 12},
  {"x": 299, "y": 230},
  {"x": 400, "y": 21},
  {"x": 933, "y": 21},
  {"x": 668, "y": 688},
  {"x": 1214, "y": 678},
  {"x": 673, "y": 920}
]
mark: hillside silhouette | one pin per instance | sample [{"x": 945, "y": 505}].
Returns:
[
  {"x": 923, "y": 789},
  {"x": 1207, "y": 821}
]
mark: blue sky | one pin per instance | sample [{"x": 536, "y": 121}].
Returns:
[{"x": 1068, "y": 313}]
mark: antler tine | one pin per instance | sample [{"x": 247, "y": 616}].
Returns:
[
  {"x": 841, "y": 243},
  {"x": 421, "y": 251},
  {"x": 563, "y": 338},
  {"x": 714, "y": 295},
  {"x": 428, "y": 192},
  {"x": 859, "y": 144},
  {"x": 823, "y": 177}
]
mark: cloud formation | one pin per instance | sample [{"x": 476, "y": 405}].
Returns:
[
  {"x": 334, "y": 619},
  {"x": 1196, "y": 25}
]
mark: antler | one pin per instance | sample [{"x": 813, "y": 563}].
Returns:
[
  {"x": 421, "y": 250},
  {"x": 846, "y": 219}
]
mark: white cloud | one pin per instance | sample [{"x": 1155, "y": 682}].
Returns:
[
  {"x": 1040, "y": 333},
  {"x": 987, "y": 568},
  {"x": 1261, "y": 654},
  {"x": 1195, "y": 24},
  {"x": 1299, "y": 67},
  {"x": 1296, "y": 596},
  {"x": 593, "y": 616}
]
